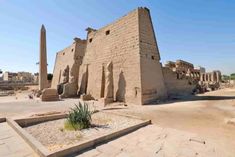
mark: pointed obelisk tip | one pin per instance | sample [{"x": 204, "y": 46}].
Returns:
[{"x": 43, "y": 28}]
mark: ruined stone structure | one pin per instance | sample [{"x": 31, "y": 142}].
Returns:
[
  {"x": 21, "y": 77},
  {"x": 210, "y": 80},
  {"x": 181, "y": 78},
  {"x": 121, "y": 62},
  {"x": 201, "y": 69},
  {"x": 183, "y": 69},
  {"x": 214, "y": 76},
  {"x": 177, "y": 86}
]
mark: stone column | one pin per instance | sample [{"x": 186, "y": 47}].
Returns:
[
  {"x": 43, "y": 60},
  {"x": 207, "y": 77},
  {"x": 215, "y": 76},
  {"x": 212, "y": 76},
  {"x": 218, "y": 76},
  {"x": 201, "y": 76}
]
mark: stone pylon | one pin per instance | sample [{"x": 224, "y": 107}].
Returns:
[{"x": 43, "y": 60}]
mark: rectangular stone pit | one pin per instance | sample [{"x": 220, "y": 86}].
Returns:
[{"x": 21, "y": 126}]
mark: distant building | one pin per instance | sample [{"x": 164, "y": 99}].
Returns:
[
  {"x": 183, "y": 69},
  {"x": 201, "y": 69},
  {"x": 24, "y": 77},
  {"x": 36, "y": 78},
  {"x": 9, "y": 76}
]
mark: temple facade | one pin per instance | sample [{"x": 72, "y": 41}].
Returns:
[{"x": 120, "y": 62}]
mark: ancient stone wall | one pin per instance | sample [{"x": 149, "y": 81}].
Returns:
[
  {"x": 119, "y": 43},
  {"x": 152, "y": 81},
  {"x": 70, "y": 56},
  {"x": 130, "y": 44},
  {"x": 121, "y": 62},
  {"x": 177, "y": 87}
]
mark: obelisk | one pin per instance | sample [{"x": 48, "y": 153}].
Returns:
[{"x": 43, "y": 60}]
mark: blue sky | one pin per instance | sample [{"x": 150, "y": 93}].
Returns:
[{"x": 198, "y": 31}]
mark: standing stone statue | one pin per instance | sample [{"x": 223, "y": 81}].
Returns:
[
  {"x": 43, "y": 60},
  {"x": 108, "y": 92},
  {"x": 73, "y": 72},
  {"x": 66, "y": 75},
  {"x": 82, "y": 86}
]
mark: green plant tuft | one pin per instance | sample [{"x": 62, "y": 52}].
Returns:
[{"x": 79, "y": 117}]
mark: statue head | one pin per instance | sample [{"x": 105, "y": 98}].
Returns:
[{"x": 110, "y": 66}]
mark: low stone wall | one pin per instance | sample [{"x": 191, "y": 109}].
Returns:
[
  {"x": 177, "y": 87},
  {"x": 24, "y": 122},
  {"x": 43, "y": 152}
]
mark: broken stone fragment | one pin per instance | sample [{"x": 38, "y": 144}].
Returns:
[{"x": 230, "y": 121}]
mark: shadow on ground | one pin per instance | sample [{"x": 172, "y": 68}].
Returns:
[{"x": 193, "y": 98}]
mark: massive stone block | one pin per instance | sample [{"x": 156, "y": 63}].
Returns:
[{"x": 49, "y": 94}]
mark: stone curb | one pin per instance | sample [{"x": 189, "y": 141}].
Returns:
[
  {"x": 98, "y": 140},
  {"x": 124, "y": 115},
  {"x": 34, "y": 144},
  {"x": 42, "y": 151},
  {"x": 23, "y": 122},
  {"x": 2, "y": 120}
]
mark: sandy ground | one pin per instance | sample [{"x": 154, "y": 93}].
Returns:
[
  {"x": 154, "y": 141},
  {"x": 20, "y": 95},
  {"x": 204, "y": 115},
  {"x": 53, "y": 135}
]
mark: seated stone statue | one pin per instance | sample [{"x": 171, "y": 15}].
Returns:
[{"x": 66, "y": 75}]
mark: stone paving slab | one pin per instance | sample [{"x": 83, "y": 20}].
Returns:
[
  {"x": 158, "y": 142},
  {"x": 12, "y": 145}
]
